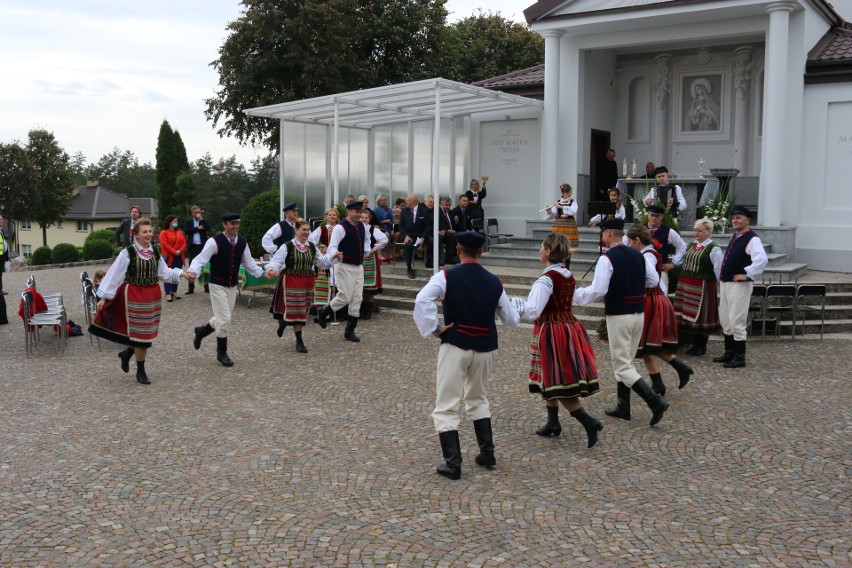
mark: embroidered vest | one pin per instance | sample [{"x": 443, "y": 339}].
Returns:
[
  {"x": 736, "y": 259},
  {"x": 300, "y": 263},
  {"x": 658, "y": 265},
  {"x": 142, "y": 271},
  {"x": 697, "y": 263},
  {"x": 352, "y": 244},
  {"x": 225, "y": 264},
  {"x": 626, "y": 293},
  {"x": 559, "y": 305},
  {"x": 661, "y": 242},
  {"x": 470, "y": 304},
  {"x": 287, "y": 233}
]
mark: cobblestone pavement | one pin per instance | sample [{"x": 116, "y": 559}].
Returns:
[{"x": 327, "y": 459}]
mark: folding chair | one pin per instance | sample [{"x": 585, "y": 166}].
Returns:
[
  {"x": 90, "y": 308},
  {"x": 502, "y": 238},
  {"x": 757, "y": 308},
  {"x": 478, "y": 225},
  {"x": 32, "y": 322},
  {"x": 810, "y": 291},
  {"x": 780, "y": 293}
]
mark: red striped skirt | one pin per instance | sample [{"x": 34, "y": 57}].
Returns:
[
  {"x": 696, "y": 305},
  {"x": 372, "y": 275},
  {"x": 568, "y": 227},
  {"x": 562, "y": 361},
  {"x": 293, "y": 298},
  {"x": 659, "y": 334},
  {"x": 132, "y": 317}
]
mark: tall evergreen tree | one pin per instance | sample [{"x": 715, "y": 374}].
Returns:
[
  {"x": 185, "y": 196},
  {"x": 55, "y": 179},
  {"x": 171, "y": 162}
]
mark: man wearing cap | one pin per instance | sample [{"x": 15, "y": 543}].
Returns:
[
  {"x": 225, "y": 252},
  {"x": 349, "y": 245},
  {"x": 664, "y": 236},
  {"x": 197, "y": 229},
  {"x": 471, "y": 297},
  {"x": 282, "y": 231},
  {"x": 669, "y": 196},
  {"x": 744, "y": 261},
  {"x": 621, "y": 276}
]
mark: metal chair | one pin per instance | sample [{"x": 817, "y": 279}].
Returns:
[
  {"x": 810, "y": 291},
  {"x": 315, "y": 222},
  {"x": 478, "y": 225},
  {"x": 757, "y": 309},
  {"x": 33, "y": 322},
  {"x": 501, "y": 238},
  {"x": 780, "y": 293},
  {"x": 90, "y": 308}
]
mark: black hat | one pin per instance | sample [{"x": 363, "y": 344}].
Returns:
[
  {"x": 615, "y": 224},
  {"x": 654, "y": 208},
  {"x": 470, "y": 240},
  {"x": 231, "y": 217},
  {"x": 742, "y": 210},
  {"x": 661, "y": 170},
  {"x": 355, "y": 205},
  {"x": 290, "y": 207}
]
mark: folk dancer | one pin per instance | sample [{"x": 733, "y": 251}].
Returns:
[
  {"x": 225, "y": 252},
  {"x": 696, "y": 302},
  {"x": 321, "y": 236},
  {"x": 297, "y": 262},
  {"x": 620, "y": 280},
  {"x": 564, "y": 216},
  {"x": 659, "y": 332},
  {"x": 744, "y": 261},
  {"x": 372, "y": 262},
  {"x": 664, "y": 239},
  {"x": 130, "y": 298},
  {"x": 668, "y": 196},
  {"x": 562, "y": 361},
  {"x": 282, "y": 231},
  {"x": 349, "y": 244},
  {"x": 471, "y": 297}
]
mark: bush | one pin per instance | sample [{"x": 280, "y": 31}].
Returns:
[
  {"x": 64, "y": 252},
  {"x": 41, "y": 256},
  {"x": 107, "y": 235},
  {"x": 260, "y": 213},
  {"x": 97, "y": 250}
]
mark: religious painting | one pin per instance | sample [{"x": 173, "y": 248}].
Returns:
[{"x": 702, "y": 102}]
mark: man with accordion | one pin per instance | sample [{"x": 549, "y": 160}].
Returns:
[{"x": 669, "y": 196}]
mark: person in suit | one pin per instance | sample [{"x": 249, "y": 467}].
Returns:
[
  {"x": 412, "y": 228},
  {"x": 447, "y": 233},
  {"x": 196, "y": 229},
  {"x": 282, "y": 231},
  {"x": 461, "y": 215},
  {"x": 4, "y": 254},
  {"x": 125, "y": 233}
]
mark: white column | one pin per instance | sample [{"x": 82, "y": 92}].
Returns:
[
  {"x": 550, "y": 117},
  {"x": 436, "y": 177},
  {"x": 335, "y": 164},
  {"x": 662, "y": 88},
  {"x": 742, "y": 84},
  {"x": 772, "y": 175},
  {"x": 569, "y": 135}
]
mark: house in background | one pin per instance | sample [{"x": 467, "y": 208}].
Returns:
[{"x": 93, "y": 208}]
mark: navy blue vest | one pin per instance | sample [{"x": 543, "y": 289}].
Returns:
[
  {"x": 661, "y": 236},
  {"x": 626, "y": 293},
  {"x": 287, "y": 233},
  {"x": 470, "y": 304},
  {"x": 352, "y": 244},
  {"x": 225, "y": 264},
  {"x": 736, "y": 258}
]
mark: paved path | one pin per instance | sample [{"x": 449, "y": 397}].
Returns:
[{"x": 327, "y": 459}]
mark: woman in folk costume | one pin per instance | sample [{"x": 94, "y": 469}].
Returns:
[
  {"x": 173, "y": 245},
  {"x": 321, "y": 236},
  {"x": 297, "y": 261},
  {"x": 131, "y": 299},
  {"x": 372, "y": 263},
  {"x": 659, "y": 334},
  {"x": 696, "y": 303},
  {"x": 562, "y": 361},
  {"x": 563, "y": 213}
]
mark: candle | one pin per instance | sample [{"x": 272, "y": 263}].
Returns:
[
  {"x": 624, "y": 168},
  {"x": 633, "y": 168}
]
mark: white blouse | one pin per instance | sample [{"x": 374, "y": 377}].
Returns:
[{"x": 116, "y": 273}]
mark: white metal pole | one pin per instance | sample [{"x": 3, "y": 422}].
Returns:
[
  {"x": 436, "y": 180},
  {"x": 336, "y": 164}
]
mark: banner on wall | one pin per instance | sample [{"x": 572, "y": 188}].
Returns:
[{"x": 510, "y": 155}]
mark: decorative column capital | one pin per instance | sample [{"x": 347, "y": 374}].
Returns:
[
  {"x": 742, "y": 69},
  {"x": 781, "y": 6},
  {"x": 663, "y": 84},
  {"x": 551, "y": 33}
]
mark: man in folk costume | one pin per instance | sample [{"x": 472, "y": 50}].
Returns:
[
  {"x": 471, "y": 297},
  {"x": 282, "y": 231},
  {"x": 744, "y": 261},
  {"x": 663, "y": 236},
  {"x": 225, "y": 252},
  {"x": 349, "y": 244},
  {"x": 621, "y": 277},
  {"x": 669, "y": 196}
]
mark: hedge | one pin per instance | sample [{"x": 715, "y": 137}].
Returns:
[
  {"x": 41, "y": 255},
  {"x": 97, "y": 250},
  {"x": 64, "y": 252},
  {"x": 107, "y": 235}
]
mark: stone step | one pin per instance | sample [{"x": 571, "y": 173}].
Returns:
[{"x": 781, "y": 271}]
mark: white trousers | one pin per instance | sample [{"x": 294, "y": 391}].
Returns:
[
  {"x": 349, "y": 279},
  {"x": 222, "y": 298},
  {"x": 625, "y": 332},
  {"x": 734, "y": 298},
  {"x": 462, "y": 375}
]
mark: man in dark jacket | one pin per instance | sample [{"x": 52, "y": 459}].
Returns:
[
  {"x": 196, "y": 230},
  {"x": 124, "y": 234},
  {"x": 412, "y": 228}
]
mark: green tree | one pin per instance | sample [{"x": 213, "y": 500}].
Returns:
[
  {"x": 264, "y": 174},
  {"x": 121, "y": 172},
  {"x": 79, "y": 168},
  {"x": 55, "y": 180},
  {"x": 171, "y": 162},
  {"x": 285, "y": 50},
  {"x": 185, "y": 196},
  {"x": 18, "y": 181},
  {"x": 260, "y": 213}
]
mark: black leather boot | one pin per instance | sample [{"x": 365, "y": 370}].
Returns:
[
  {"x": 222, "y": 352},
  {"x": 451, "y": 449},
  {"x": 684, "y": 371},
  {"x": 323, "y": 315},
  {"x": 485, "y": 439},
  {"x": 591, "y": 424},
  {"x": 366, "y": 310},
  {"x": 300, "y": 345},
  {"x": 699, "y": 346},
  {"x": 739, "y": 356},
  {"x": 657, "y": 384},
  {"x": 622, "y": 406},
  {"x": 282, "y": 325},
  {"x": 140, "y": 373},
  {"x": 201, "y": 332},
  {"x": 349, "y": 334},
  {"x": 552, "y": 427},
  {"x": 655, "y": 402},
  {"x": 729, "y": 351},
  {"x": 125, "y": 356}
]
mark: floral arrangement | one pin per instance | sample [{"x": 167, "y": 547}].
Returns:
[
  {"x": 718, "y": 210},
  {"x": 640, "y": 213}
]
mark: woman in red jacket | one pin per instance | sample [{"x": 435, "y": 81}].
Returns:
[{"x": 173, "y": 245}]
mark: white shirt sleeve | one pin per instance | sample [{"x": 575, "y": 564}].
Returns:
[
  {"x": 620, "y": 213},
  {"x": 716, "y": 257},
  {"x": 251, "y": 264},
  {"x": 367, "y": 240},
  {"x": 337, "y": 235},
  {"x": 506, "y": 313},
  {"x": 550, "y": 213},
  {"x": 425, "y": 309},
  {"x": 679, "y": 245},
  {"x": 538, "y": 297},
  {"x": 114, "y": 276},
  {"x": 267, "y": 241},
  {"x": 315, "y": 235},
  {"x": 650, "y": 196},
  {"x": 381, "y": 238},
  {"x": 571, "y": 209},
  {"x": 596, "y": 219},
  {"x": 203, "y": 257},
  {"x": 759, "y": 260},
  {"x": 599, "y": 286},
  {"x": 681, "y": 201},
  {"x": 651, "y": 276},
  {"x": 166, "y": 274},
  {"x": 278, "y": 259}
]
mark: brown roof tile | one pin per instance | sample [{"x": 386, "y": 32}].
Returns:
[
  {"x": 524, "y": 77},
  {"x": 97, "y": 203}
]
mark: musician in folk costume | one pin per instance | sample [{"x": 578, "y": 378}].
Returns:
[
  {"x": 668, "y": 196},
  {"x": 321, "y": 236},
  {"x": 564, "y": 216},
  {"x": 664, "y": 239}
]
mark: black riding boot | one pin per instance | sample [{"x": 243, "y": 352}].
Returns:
[
  {"x": 622, "y": 406},
  {"x": 738, "y": 359},
  {"x": 655, "y": 402},
  {"x": 222, "y": 352},
  {"x": 300, "y": 345},
  {"x": 282, "y": 325},
  {"x": 201, "y": 332},
  {"x": 451, "y": 449},
  {"x": 485, "y": 439},
  {"x": 699, "y": 346},
  {"x": 552, "y": 427},
  {"x": 349, "y": 334},
  {"x": 729, "y": 351},
  {"x": 125, "y": 356},
  {"x": 591, "y": 424},
  {"x": 366, "y": 310},
  {"x": 140, "y": 373},
  {"x": 657, "y": 384},
  {"x": 324, "y": 314},
  {"x": 684, "y": 371}
]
